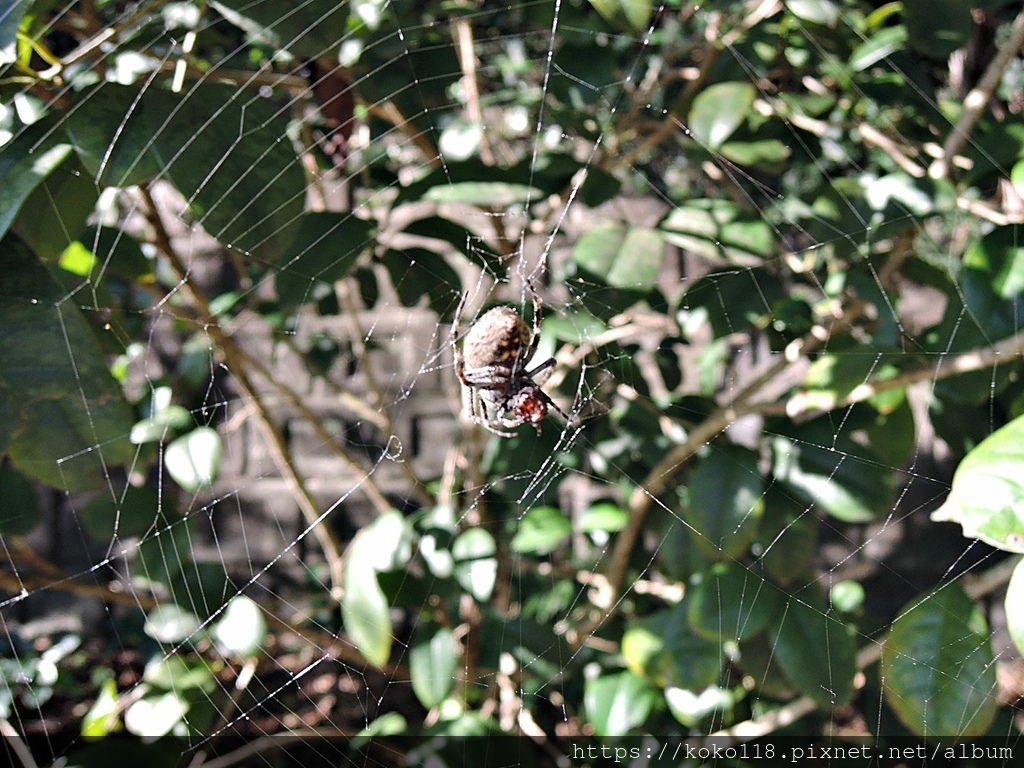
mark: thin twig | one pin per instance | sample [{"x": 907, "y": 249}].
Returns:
[
  {"x": 359, "y": 345},
  {"x": 369, "y": 486},
  {"x": 17, "y": 744},
  {"x": 236, "y": 363},
  {"x": 978, "y": 98}
]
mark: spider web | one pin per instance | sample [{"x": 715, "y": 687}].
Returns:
[{"x": 325, "y": 388}]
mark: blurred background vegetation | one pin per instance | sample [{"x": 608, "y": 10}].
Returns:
[{"x": 781, "y": 254}]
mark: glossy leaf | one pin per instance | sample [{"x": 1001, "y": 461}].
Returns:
[
  {"x": 132, "y": 512},
  {"x": 463, "y": 240},
  {"x": 241, "y": 629},
  {"x": 193, "y": 460},
  {"x": 627, "y": 15},
  {"x": 476, "y": 567},
  {"x": 24, "y": 163},
  {"x": 541, "y": 531},
  {"x": 19, "y": 503},
  {"x": 432, "y": 664},
  {"x": 382, "y": 545},
  {"x": 936, "y": 28},
  {"x": 880, "y": 45},
  {"x": 987, "y": 496},
  {"x": 616, "y": 704},
  {"x": 815, "y": 650},
  {"x": 824, "y": 12},
  {"x": 221, "y": 152},
  {"x": 663, "y": 649},
  {"x": 170, "y": 624},
  {"x": 1014, "y": 605},
  {"x": 730, "y": 602},
  {"x": 54, "y": 215},
  {"x": 324, "y": 250},
  {"x": 484, "y": 194},
  {"x": 719, "y": 110},
  {"x": 719, "y": 229},
  {"x": 624, "y": 257},
  {"x": 833, "y": 473},
  {"x": 155, "y": 716},
  {"x": 938, "y": 668},
  {"x": 418, "y": 272},
  {"x": 691, "y": 708},
  {"x": 725, "y": 502},
  {"x": 67, "y": 418},
  {"x": 102, "y": 717}
]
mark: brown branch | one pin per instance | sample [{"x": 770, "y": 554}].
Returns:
[
  {"x": 976, "y": 100},
  {"x": 236, "y": 363},
  {"x": 369, "y": 486}
]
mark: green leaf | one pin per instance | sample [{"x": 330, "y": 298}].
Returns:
[
  {"x": 160, "y": 426},
  {"x": 999, "y": 256},
  {"x": 133, "y": 512},
  {"x": 604, "y": 517},
  {"x": 462, "y": 240},
  {"x": 627, "y": 15},
  {"x": 19, "y": 503},
  {"x": 937, "y": 664},
  {"x": 432, "y": 663},
  {"x": 102, "y": 717},
  {"x": 382, "y": 545},
  {"x": 54, "y": 214},
  {"x": 24, "y": 163},
  {"x": 719, "y": 110},
  {"x": 719, "y": 230},
  {"x": 484, "y": 194},
  {"x": 880, "y": 45},
  {"x": 617, "y": 703},
  {"x": 730, "y": 602},
  {"x": 10, "y": 20},
  {"x": 768, "y": 154},
  {"x": 307, "y": 30},
  {"x": 241, "y": 628},
  {"x": 193, "y": 460},
  {"x": 177, "y": 673},
  {"x": 1014, "y": 605},
  {"x": 833, "y": 472},
  {"x": 220, "y": 148},
  {"x": 65, "y": 418},
  {"x": 815, "y": 650},
  {"x": 690, "y": 708},
  {"x": 663, "y": 649},
  {"x": 417, "y": 273},
  {"x": 987, "y": 495},
  {"x": 624, "y": 257},
  {"x": 824, "y": 12},
  {"x": 541, "y": 531},
  {"x": 936, "y": 28},
  {"x": 725, "y": 502},
  {"x": 170, "y": 624},
  {"x": 155, "y": 716},
  {"x": 325, "y": 250},
  {"x": 787, "y": 538},
  {"x": 476, "y": 567}
]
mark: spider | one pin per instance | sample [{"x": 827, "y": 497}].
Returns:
[{"x": 492, "y": 365}]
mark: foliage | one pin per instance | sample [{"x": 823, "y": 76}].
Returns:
[{"x": 815, "y": 160}]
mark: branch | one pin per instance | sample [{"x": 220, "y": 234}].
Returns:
[
  {"x": 978, "y": 98},
  {"x": 236, "y": 363}
]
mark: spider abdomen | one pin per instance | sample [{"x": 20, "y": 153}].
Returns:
[{"x": 496, "y": 339}]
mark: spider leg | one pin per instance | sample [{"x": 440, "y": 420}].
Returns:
[{"x": 460, "y": 365}]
